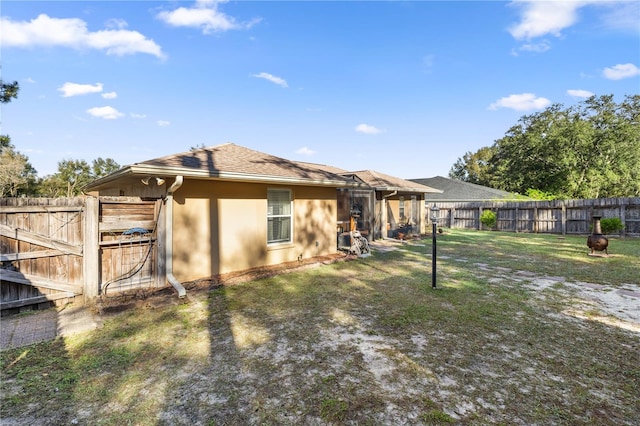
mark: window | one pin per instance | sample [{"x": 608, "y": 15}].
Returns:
[
  {"x": 278, "y": 216},
  {"x": 401, "y": 208}
]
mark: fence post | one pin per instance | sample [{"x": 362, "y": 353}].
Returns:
[
  {"x": 564, "y": 218},
  {"x": 91, "y": 250},
  {"x": 623, "y": 214},
  {"x": 452, "y": 212}
]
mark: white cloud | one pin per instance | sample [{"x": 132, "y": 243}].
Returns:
[
  {"x": 272, "y": 78},
  {"x": 367, "y": 129},
  {"x": 521, "y": 102},
  {"x": 163, "y": 123},
  {"x": 305, "y": 151},
  {"x": 134, "y": 115},
  {"x": 45, "y": 31},
  {"x": 75, "y": 89},
  {"x": 29, "y": 80},
  {"x": 106, "y": 112},
  {"x": 541, "y": 47},
  {"x": 621, "y": 15},
  {"x": 110, "y": 95},
  {"x": 620, "y": 71},
  {"x": 205, "y": 16},
  {"x": 579, "y": 93},
  {"x": 115, "y": 23},
  {"x": 540, "y": 18}
]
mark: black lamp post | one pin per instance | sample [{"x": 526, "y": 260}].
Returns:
[{"x": 434, "y": 220}]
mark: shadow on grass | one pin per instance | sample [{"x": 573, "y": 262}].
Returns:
[{"x": 362, "y": 342}]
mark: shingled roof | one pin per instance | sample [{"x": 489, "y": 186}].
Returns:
[
  {"x": 457, "y": 190},
  {"x": 232, "y": 162},
  {"x": 378, "y": 181},
  {"x": 384, "y": 182}
]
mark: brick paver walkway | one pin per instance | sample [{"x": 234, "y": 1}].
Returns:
[{"x": 40, "y": 326}]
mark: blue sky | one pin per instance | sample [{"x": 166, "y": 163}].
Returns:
[{"x": 401, "y": 87}]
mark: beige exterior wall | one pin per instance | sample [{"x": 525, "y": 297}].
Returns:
[
  {"x": 393, "y": 211},
  {"x": 221, "y": 227}
]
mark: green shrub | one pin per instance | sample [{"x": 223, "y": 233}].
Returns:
[
  {"x": 610, "y": 225},
  {"x": 488, "y": 219}
]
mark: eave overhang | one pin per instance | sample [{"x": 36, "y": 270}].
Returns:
[{"x": 169, "y": 172}]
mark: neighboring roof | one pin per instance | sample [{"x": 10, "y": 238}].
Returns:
[
  {"x": 457, "y": 190},
  {"x": 230, "y": 162}
]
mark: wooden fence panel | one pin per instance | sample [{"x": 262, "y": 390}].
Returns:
[
  {"x": 43, "y": 248},
  {"x": 506, "y": 219},
  {"x": 556, "y": 217},
  {"x": 40, "y": 243},
  {"x": 632, "y": 219},
  {"x": 465, "y": 218},
  {"x": 526, "y": 220}
]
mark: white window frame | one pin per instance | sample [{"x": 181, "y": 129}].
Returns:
[{"x": 288, "y": 240}]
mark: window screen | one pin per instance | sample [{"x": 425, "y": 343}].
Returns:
[{"x": 278, "y": 216}]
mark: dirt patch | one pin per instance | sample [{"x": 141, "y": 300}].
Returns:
[
  {"x": 609, "y": 304},
  {"x": 364, "y": 342}
]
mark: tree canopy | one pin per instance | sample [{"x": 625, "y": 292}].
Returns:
[
  {"x": 590, "y": 150},
  {"x": 73, "y": 175},
  {"x": 8, "y": 91},
  {"x": 17, "y": 175}
]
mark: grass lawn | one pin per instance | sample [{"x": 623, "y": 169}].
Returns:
[{"x": 523, "y": 329}]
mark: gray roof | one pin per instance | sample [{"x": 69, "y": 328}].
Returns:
[
  {"x": 457, "y": 190},
  {"x": 384, "y": 182},
  {"x": 379, "y": 181}
]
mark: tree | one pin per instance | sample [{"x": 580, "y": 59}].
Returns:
[
  {"x": 474, "y": 167},
  {"x": 17, "y": 175},
  {"x": 590, "y": 150},
  {"x": 8, "y": 91},
  {"x": 102, "y": 167},
  {"x": 73, "y": 175}
]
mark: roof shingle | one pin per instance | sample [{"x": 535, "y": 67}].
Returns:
[{"x": 232, "y": 158}]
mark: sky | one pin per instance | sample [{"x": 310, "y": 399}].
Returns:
[{"x": 404, "y": 88}]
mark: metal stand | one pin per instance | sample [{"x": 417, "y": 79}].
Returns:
[
  {"x": 434, "y": 219},
  {"x": 433, "y": 257}
]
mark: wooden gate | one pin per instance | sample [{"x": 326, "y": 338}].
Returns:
[
  {"x": 41, "y": 241},
  {"x": 56, "y": 249},
  {"x": 128, "y": 244}
]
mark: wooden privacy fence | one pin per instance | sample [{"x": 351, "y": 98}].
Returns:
[
  {"x": 553, "y": 217},
  {"x": 61, "y": 248}
]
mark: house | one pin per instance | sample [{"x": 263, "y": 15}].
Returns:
[
  {"x": 229, "y": 208},
  {"x": 397, "y": 204},
  {"x": 453, "y": 190}
]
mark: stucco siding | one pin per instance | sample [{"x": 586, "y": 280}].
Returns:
[
  {"x": 315, "y": 221},
  {"x": 221, "y": 227}
]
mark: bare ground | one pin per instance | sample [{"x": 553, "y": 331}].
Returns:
[{"x": 239, "y": 363}]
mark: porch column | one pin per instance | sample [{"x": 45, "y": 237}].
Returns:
[{"x": 383, "y": 218}]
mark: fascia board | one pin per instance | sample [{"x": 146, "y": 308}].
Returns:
[{"x": 136, "y": 170}]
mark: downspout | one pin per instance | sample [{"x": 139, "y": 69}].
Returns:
[{"x": 169, "y": 238}]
